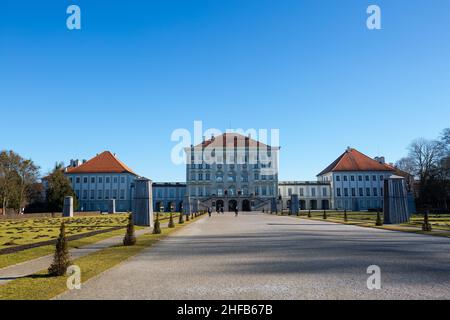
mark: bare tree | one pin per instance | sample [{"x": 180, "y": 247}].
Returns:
[
  {"x": 424, "y": 158},
  {"x": 16, "y": 176}
]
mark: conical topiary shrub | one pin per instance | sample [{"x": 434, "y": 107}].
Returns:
[
  {"x": 130, "y": 237},
  {"x": 426, "y": 223},
  {"x": 309, "y": 213},
  {"x": 157, "y": 227},
  {"x": 379, "y": 222},
  {"x": 171, "y": 223},
  {"x": 180, "y": 220},
  {"x": 187, "y": 217},
  {"x": 61, "y": 259},
  {"x": 324, "y": 214},
  {"x": 345, "y": 215}
]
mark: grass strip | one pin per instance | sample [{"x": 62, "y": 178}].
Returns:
[
  {"x": 40, "y": 286},
  {"x": 10, "y": 259}
]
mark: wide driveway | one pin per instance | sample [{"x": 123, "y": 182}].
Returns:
[{"x": 259, "y": 256}]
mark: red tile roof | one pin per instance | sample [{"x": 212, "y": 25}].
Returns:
[
  {"x": 397, "y": 171},
  {"x": 104, "y": 162},
  {"x": 230, "y": 140},
  {"x": 353, "y": 160}
]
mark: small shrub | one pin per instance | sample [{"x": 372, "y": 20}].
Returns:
[
  {"x": 61, "y": 259},
  {"x": 426, "y": 223},
  {"x": 171, "y": 223},
  {"x": 130, "y": 237},
  {"x": 180, "y": 220},
  {"x": 379, "y": 222},
  {"x": 157, "y": 227}
]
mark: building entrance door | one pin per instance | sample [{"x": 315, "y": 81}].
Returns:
[
  {"x": 246, "y": 205},
  {"x": 232, "y": 205}
]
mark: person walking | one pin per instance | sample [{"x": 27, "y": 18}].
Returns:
[
  {"x": 209, "y": 211},
  {"x": 236, "y": 212},
  {"x": 221, "y": 210}
]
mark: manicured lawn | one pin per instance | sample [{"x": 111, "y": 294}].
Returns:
[
  {"x": 363, "y": 218},
  {"x": 26, "y": 231},
  {"x": 25, "y": 255},
  {"x": 40, "y": 286}
]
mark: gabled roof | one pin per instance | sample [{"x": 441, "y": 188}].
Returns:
[
  {"x": 353, "y": 160},
  {"x": 397, "y": 171},
  {"x": 230, "y": 140},
  {"x": 105, "y": 162}
]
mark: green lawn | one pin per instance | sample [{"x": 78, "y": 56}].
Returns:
[
  {"x": 29, "y": 254},
  {"x": 26, "y": 231},
  {"x": 40, "y": 286},
  {"x": 438, "y": 222}
]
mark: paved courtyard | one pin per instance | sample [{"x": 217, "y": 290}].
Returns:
[{"x": 259, "y": 256}]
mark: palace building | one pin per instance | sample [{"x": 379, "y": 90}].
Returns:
[
  {"x": 100, "y": 179},
  {"x": 356, "y": 181},
  {"x": 232, "y": 171},
  {"x": 235, "y": 171}
]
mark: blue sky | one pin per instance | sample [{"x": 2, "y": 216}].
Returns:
[{"x": 137, "y": 70}]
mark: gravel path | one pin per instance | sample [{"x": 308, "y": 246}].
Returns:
[{"x": 259, "y": 256}]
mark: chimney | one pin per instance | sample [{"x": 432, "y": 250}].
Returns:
[{"x": 381, "y": 160}]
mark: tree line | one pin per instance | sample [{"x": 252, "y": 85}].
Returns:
[
  {"x": 20, "y": 188},
  {"x": 429, "y": 162}
]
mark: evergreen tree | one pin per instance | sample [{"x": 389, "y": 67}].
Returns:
[
  {"x": 61, "y": 259},
  {"x": 157, "y": 227},
  {"x": 171, "y": 223},
  {"x": 130, "y": 237},
  {"x": 379, "y": 221},
  {"x": 426, "y": 223},
  {"x": 181, "y": 221},
  {"x": 309, "y": 213},
  {"x": 325, "y": 214},
  {"x": 345, "y": 215},
  {"x": 59, "y": 187}
]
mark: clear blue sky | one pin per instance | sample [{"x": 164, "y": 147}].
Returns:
[{"x": 140, "y": 69}]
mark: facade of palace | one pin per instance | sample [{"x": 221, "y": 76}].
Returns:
[
  {"x": 234, "y": 171},
  {"x": 313, "y": 195},
  {"x": 231, "y": 171},
  {"x": 100, "y": 179},
  {"x": 356, "y": 181}
]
